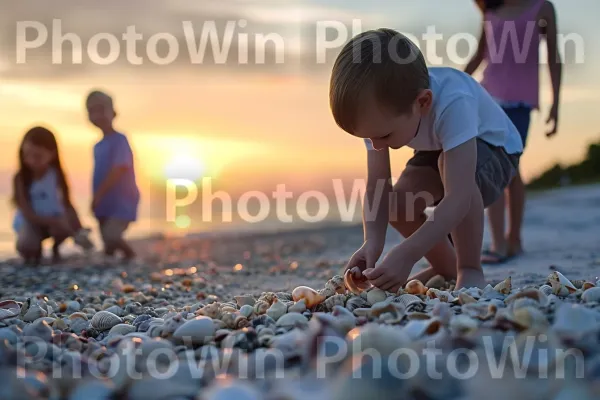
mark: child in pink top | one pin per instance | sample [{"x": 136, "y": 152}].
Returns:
[{"x": 512, "y": 78}]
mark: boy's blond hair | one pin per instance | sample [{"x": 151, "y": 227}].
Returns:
[{"x": 381, "y": 60}]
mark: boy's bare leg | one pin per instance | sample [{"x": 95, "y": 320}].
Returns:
[
  {"x": 516, "y": 206},
  {"x": 73, "y": 219},
  {"x": 417, "y": 188},
  {"x": 495, "y": 214},
  {"x": 468, "y": 240}
]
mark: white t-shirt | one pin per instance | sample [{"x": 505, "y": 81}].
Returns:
[{"x": 462, "y": 109}]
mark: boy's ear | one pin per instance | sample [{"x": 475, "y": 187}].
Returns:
[{"x": 425, "y": 100}]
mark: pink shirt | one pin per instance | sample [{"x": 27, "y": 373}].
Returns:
[{"x": 512, "y": 55}]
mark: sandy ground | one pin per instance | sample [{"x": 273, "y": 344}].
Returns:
[{"x": 561, "y": 231}]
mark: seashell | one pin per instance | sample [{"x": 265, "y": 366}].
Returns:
[
  {"x": 79, "y": 315},
  {"x": 546, "y": 289},
  {"x": 443, "y": 312},
  {"x": 344, "y": 318},
  {"x": 558, "y": 289},
  {"x": 410, "y": 302},
  {"x": 437, "y": 282},
  {"x": 104, "y": 320},
  {"x": 588, "y": 285},
  {"x": 375, "y": 295},
  {"x": 240, "y": 322},
  {"x": 482, "y": 311},
  {"x": 464, "y": 298},
  {"x": 277, "y": 310},
  {"x": 355, "y": 302},
  {"x": 540, "y": 297},
  {"x": 326, "y": 292},
  {"x": 335, "y": 300},
  {"x": 292, "y": 320},
  {"x": 591, "y": 295},
  {"x": 573, "y": 321},
  {"x": 443, "y": 296},
  {"x": 524, "y": 302},
  {"x": 34, "y": 312},
  {"x": 415, "y": 329},
  {"x": 383, "y": 339},
  {"x": 267, "y": 297},
  {"x": 311, "y": 297},
  {"x": 505, "y": 286},
  {"x": 197, "y": 331},
  {"x": 415, "y": 287},
  {"x": 212, "y": 310},
  {"x": 72, "y": 306},
  {"x": 38, "y": 329},
  {"x": 463, "y": 324},
  {"x": 261, "y": 307},
  {"x": 558, "y": 280},
  {"x": 362, "y": 312},
  {"x": 354, "y": 286},
  {"x": 225, "y": 309},
  {"x": 118, "y": 311},
  {"x": 336, "y": 284},
  {"x": 417, "y": 316},
  {"x": 121, "y": 329},
  {"x": 529, "y": 317}
]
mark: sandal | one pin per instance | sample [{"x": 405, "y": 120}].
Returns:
[{"x": 490, "y": 257}]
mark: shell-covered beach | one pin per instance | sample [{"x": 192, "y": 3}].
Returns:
[{"x": 273, "y": 317}]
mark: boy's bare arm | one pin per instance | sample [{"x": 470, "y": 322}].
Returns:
[
  {"x": 548, "y": 14},
  {"x": 376, "y": 202},
  {"x": 479, "y": 54}
]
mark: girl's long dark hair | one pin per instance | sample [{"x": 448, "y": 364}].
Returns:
[
  {"x": 42, "y": 137},
  {"x": 489, "y": 5}
]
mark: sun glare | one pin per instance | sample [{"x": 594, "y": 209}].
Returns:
[{"x": 184, "y": 166}]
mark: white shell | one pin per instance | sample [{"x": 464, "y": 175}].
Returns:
[
  {"x": 591, "y": 295},
  {"x": 375, "y": 295}
]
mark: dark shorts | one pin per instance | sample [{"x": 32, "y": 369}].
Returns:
[
  {"x": 521, "y": 118},
  {"x": 495, "y": 168}
]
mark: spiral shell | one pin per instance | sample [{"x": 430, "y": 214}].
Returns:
[
  {"x": 335, "y": 300},
  {"x": 104, "y": 320},
  {"x": 336, "y": 284},
  {"x": 355, "y": 302}
]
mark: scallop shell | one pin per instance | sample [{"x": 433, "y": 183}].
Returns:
[
  {"x": 355, "y": 302},
  {"x": 356, "y": 287},
  {"x": 415, "y": 287},
  {"x": 505, "y": 286},
  {"x": 310, "y": 295},
  {"x": 410, "y": 302},
  {"x": 104, "y": 320},
  {"x": 546, "y": 289}
]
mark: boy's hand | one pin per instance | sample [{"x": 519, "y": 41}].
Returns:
[
  {"x": 364, "y": 258},
  {"x": 553, "y": 118},
  {"x": 393, "y": 270}
]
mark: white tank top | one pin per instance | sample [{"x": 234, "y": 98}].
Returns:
[{"x": 45, "y": 198}]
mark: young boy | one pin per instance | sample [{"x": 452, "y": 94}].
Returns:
[
  {"x": 466, "y": 152},
  {"x": 116, "y": 195}
]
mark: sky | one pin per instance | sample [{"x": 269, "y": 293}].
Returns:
[{"x": 248, "y": 126}]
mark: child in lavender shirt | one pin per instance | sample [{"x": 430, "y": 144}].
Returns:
[{"x": 116, "y": 195}]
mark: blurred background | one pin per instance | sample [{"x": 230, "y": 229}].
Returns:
[{"x": 242, "y": 126}]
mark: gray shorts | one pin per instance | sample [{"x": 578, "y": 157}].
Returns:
[{"x": 495, "y": 168}]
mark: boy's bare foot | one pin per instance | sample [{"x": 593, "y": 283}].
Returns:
[{"x": 470, "y": 277}]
